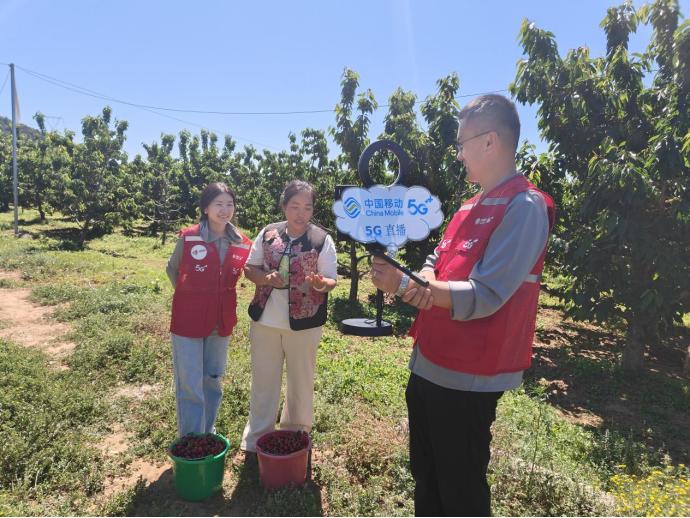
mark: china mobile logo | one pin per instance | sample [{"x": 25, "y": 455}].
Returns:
[
  {"x": 483, "y": 221},
  {"x": 199, "y": 252},
  {"x": 200, "y": 267},
  {"x": 352, "y": 207}
]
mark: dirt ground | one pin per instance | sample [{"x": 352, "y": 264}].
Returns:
[{"x": 32, "y": 325}]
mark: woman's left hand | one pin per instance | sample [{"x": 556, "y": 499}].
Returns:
[{"x": 316, "y": 281}]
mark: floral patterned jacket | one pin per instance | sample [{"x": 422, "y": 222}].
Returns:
[{"x": 307, "y": 307}]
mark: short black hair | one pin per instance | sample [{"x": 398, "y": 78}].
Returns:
[
  {"x": 295, "y": 187},
  {"x": 497, "y": 112}
]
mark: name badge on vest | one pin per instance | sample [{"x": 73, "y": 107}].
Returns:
[
  {"x": 444, "y": 245},
  {"x": 199, "y": 252},
  {"x": 467, "y": 244}
]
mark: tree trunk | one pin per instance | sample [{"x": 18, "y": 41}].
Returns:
[
  {"x": 41, "y": 212},
  {"x": 354, "y": 273},
  {"x": 633, "y": 354},
  {"x": 154, "y": 227},
  {"x": 82, "y": 235}
]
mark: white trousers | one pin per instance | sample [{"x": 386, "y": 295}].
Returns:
[{"x": 270, "y": 347}]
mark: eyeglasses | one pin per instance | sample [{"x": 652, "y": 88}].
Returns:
[{"x": 459, "y": 144}]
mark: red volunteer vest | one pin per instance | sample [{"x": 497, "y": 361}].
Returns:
[
  {"x": 501, "y": 342},
  {"x": 205, "y": 295}
]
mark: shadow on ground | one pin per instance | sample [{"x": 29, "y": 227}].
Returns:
[
  {"x": 242, "y": 495},
  {"x": 398, "y": 314},
  {"x": 578, "y": 364}
]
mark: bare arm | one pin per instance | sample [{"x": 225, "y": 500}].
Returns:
[
  {"x": 326, "y": 277},
  {"x": 321, "y": 283}
]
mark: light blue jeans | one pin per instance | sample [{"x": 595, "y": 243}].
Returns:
[{"x": 198, "y": 365}]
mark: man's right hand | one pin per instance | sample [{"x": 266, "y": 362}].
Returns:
[
  {"x": 273, "y": 278},
  {"x": 427, "y": 275},
  {"x": 418, "y": 296},
  {"x": 384, "y": 276}
]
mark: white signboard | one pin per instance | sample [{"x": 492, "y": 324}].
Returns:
[{"x": 387, "y": 215}]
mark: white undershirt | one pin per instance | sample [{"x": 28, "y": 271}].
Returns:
[{"x": 275, "y": 313}]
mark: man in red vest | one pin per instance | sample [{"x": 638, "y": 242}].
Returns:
[{"x": 474, "y": 331}]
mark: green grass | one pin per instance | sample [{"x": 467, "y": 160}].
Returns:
[
  {"x": 116, "y": 297},
  {"x": 44, "y": 451}
]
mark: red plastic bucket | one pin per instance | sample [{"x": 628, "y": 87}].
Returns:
[{"x": 276, "y": 471}]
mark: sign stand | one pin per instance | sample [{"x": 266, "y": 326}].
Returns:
[{"x": 378, "y": 326}]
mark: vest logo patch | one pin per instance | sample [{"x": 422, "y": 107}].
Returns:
[
  {"x": 444, "y": 244},
  {"x": 199, "y": 252},
  {"x": 469, "y": 243},
  {"x": 238, "y": 257},
  {"x": 483, "y": 221},
  {"x": 200, "y": 267}
]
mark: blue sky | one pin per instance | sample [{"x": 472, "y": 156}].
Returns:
[{"x": 268, "y": 56}]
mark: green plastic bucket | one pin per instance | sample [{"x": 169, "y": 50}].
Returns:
[{"x": 197, "y": 480}]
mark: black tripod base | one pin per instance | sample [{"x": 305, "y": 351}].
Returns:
[{"x": 365, "y": 327}]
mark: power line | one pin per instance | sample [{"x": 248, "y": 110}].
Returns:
[
  {"x": 208, "y": 128},
  {"x": 85, "y": 91},
  {"x": 157, "y": 109},
  {"x": 53, "y": 121},
  {"x": 92, "y": 93},
  {"x": 2, "y": 88}
]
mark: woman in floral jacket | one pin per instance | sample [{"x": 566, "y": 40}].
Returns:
[{"x": 293, "y": 264}]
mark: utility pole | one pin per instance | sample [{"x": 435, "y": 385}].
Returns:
[{"x": 15, "y": 183}]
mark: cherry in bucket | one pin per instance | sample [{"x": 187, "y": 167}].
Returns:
[
  {"x": 284, "y": 444},
  {"x": 197, "y": 446}
]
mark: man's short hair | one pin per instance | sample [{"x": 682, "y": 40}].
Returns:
[{"x": 496, "y": 112}]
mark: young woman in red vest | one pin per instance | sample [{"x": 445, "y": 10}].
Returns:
[
  {"x": 204, "y": 268},
  {"x": 293, "y": 265}
]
